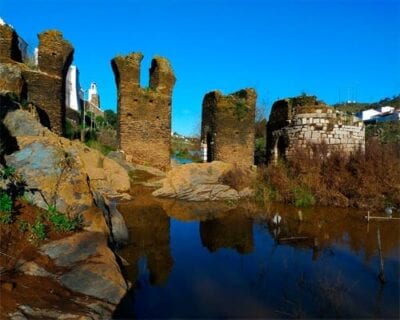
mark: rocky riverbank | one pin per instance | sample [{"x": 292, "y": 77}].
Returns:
[{"x": 69, "y": 274}]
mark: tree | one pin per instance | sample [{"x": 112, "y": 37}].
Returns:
[{"x": 110, "y": 117}]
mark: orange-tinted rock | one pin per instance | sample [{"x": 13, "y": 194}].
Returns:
[
  {"x": 228, "y": 126},
  {"x": 144, "y": 114}
]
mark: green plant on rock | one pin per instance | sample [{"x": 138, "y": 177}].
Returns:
[
  {"x": 303, "y": 197},
  {"x": 38, "y": 230},
  {"x": 240, "y": 109},
  {"x": 62, "y": 223},
  {"x": 23, "y": 226},
  {"x": 6, "y": 204},
  {"x": 7, "y": 172}
]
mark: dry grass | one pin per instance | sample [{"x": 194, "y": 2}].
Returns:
[{"x": 370, "y": 180}]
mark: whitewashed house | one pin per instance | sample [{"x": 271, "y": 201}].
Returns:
[{"x": 73, "y": 89}]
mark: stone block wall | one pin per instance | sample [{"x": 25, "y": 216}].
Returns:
[
  {"x": 144, "y": 114},
  {"x": 296, "y": 123},
  {"x": 46, "y": 85},
  {"x": 10, "y": 63},
  {"x": 9, "y": 50},
  {"x": 228, "y": 126}
]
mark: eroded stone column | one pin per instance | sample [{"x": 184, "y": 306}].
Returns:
[
  {"x": 46, "y": 85},
  {"x": 228, "y": 126},
  {"x": 144, "y": 114}
]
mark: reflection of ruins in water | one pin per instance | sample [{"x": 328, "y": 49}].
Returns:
[
  {"x": 323, "y": 228},
  {"x": 234, "y": 231},
  {"x": 149, "y": 229}
]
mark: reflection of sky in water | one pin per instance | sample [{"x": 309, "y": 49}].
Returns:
[{"x": 271, "y": 280}]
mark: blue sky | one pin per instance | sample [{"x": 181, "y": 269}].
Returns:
[{"x": 333, "y": 49}]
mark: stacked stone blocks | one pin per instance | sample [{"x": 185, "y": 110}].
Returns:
[
  {"x": 46, "y": 85},
  {"x": 292, "y": 126},
  {"x": 228, "y": 126},
  {"x": 144, "y": 114}
]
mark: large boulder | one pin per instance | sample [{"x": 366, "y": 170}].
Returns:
[
  {"x": 198, "y": 182},
  {"x": 54, "y": 176},
  {"x": 93, "y": 269},
  {"x": 11, "y": 78}
]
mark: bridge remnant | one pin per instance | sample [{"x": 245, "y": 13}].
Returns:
[
  {"x": 302, "y": 121},
  {"x": 228, "y": 126},
  {"x": 144, "y": 114},
  {"x": 46, "y": 84}
]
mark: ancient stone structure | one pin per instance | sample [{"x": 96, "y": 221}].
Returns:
[
  {"x": 10, "y": 62},
  {"x": 9, "y": 48},
  {"x": 302, "y": 121},
  {"x": 144, "y": 114},
  {"x": 228, "y": 126},
  {"x": 46, "y": 86}
]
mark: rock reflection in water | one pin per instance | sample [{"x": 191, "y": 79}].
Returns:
[{"x": 234, "y": 231}]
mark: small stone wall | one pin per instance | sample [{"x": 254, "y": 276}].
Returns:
[
  {"x": 296, "y": 123},
  {"x": 228, "y": 126},
  {"x": 46, "y": 86},
  {"x": 144, "y": 114}
]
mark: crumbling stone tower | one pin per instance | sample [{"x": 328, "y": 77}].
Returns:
[
  {"x": 144, "y": 114},
  {"x": 46, "y": 85},
  {"x": 228, "y": 126},
  {"x": 10, "y": 62},
  {"x": 302, "y": 121},
  {"x": 9, "y": 50}
]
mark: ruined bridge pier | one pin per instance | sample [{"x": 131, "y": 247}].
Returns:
[{"x": 144, "y": 114}]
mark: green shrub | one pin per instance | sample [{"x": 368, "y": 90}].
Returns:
[
  {"x": 38, "y": 230},
  {"x": 23, "y": 226},
  {"x": 302, "y": 197},
  {"x": 7, "y": 172},
  {"x": 5, "y": 208},
  {"x": 62, "y": 223}
]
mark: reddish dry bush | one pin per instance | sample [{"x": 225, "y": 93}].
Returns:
[
  {"x": 238, "y": 178},
  {"x": 369, "y": 180}
]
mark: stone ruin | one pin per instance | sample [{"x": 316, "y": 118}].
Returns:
[
  {"x": 46, "y": 86},
  {"x": 43, "y": 85},
  {"x": 302, "y": 121},
  {"x": 228, "y": 126},
  {"x": 144, "y": 114},
  {"x": 10, "y": 62}
]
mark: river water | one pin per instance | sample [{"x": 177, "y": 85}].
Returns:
[{"x": 227, "y": 260}]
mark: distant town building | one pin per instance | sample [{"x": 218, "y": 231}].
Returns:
[
  {"x": 381, "y": 114},
  {"x": 73, "y": 89},
  {"x": 93, "y": 102}
]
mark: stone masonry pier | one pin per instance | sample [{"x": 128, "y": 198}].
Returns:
[
  {"x": 144, "y": 114},
  {"x": 228, "y": 126}
]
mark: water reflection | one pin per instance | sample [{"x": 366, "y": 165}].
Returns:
[
  {"x": 322, "y": 265},
  {"x": 234, "y": 231},
  {"x": 149, "y": 229}
]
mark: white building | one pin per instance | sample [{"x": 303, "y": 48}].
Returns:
[
  {"x": 367, "y": 114},
  {"x": 73, "y": 89},
  {"x": 386, "y": 109}
]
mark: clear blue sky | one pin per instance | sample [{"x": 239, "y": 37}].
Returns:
[{"x": 334, "y": 49}]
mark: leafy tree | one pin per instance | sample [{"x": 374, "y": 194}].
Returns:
[{"x": 110, "y": 117}]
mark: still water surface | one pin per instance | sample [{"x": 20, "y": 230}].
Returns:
[{"x": 222, "y": 260}]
